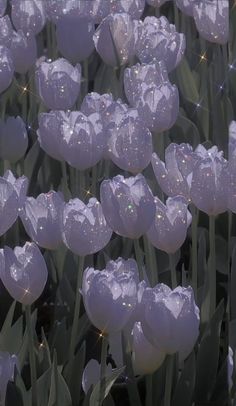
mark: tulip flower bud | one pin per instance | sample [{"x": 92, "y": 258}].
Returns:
[
  {"x": 210, "y": 181},
  {"x": 212, "y": 20},
  {"x": 186, "y": 6},
  {"x": 6, "y": 68},
  {"x": 128, "y": 205},
  {"x": 7, "y": 368},
  {"x": 20, "y": 186},
  {"x": 92, "y": 374},
  {"x": 96, "y": 103},
  {"x": 58, "y": 83},
  {"x": 114, "y": 39},
  {"x": 28, "y": 18},
  {"x": 75, "y": 37},
  {"x": 24, "y": 51},
  {"x": 6, "y": 31},
  {"x": 170, "y": 319},
  {"x": 156, "y": 3},
  {"x": 84, "y": 227},
  {"x": 3, "y": 6},
  {"x": 114, "y": 288},
  {"x": 98, "y": 10},
  {"x": 13, "y": 139},
  {"x": 49, "y": 135},
  {"x": 169, "y": 229},
  {"x": 134, "y": 8},
  {"x": 232, "y": 168},
  {"x": 41, "y": 219},
  {"x": 57, "y": 10},
  {"x": 158, "y": 40},
  {"x": 146, "y": 358},
  {"x": 129, "y": 144},
  {"x": 83, "y": 141},
  {"x": 175, "y": 175},
  {"x": 9, "y": 205},
  {"x": 23, "y": 272}
]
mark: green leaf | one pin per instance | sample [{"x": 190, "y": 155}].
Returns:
[
  {"x": 186, "y": 81},
  {"x": 76, "y": 374},
  {"x": 109, "y": 381},
  {"x": 185, "y": 387},
  {"x": 59, "y": 392}
]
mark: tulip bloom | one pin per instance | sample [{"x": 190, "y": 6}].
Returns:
[
  {"x": 20, "y": 185},
  {"x": 3, "y": 6},
  {"x": 30, "y": 19},
  {"x": 41, "y": 219},
  {"x": 114, "y": 288},
  {"x": 114, "y": 39},
  {"x": 24, "y": 51},
  {"x": 6, "y": 31},
  {"x": 23, "y": 272},
  {"x": 49, "y": 135},
  {"x": 58, "y": 83},
  {"x": 8, "y": 363},
  {"x": 158, "y": 40},
  {"x": 186, "y": 6},
  {"x": 232, "y": 168},
  {"x": 75, "y": 38},
  {"x": 134, "y": 8},
  {"x": 9, "y": 205},
  {"x": 156, "y": 3},
  {"x": 92, "y": 374},
  {"x": 170, "y": 319},
  {"x": 128, "y": 205},
  {"x": 13, "y": 139},
  {"x": 6, "y": 68},
  {"x": 84, "y": 227},
  {"x": 96, "y": 103},
  {"x": 169, "y": 229}
]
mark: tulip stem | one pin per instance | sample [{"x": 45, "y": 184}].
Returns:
[
  {"x": 212, "y": 265},
  {"x": 168, "y": 382},
  {"x": 172, "y": 271},
  {"x": 139, "y": 258},
  {"x": 75, "y": 322},
  {"x": 148, "y": 399},
  {"x": 194, "y": 249},
  {"x": 33, "y": 374},
  {"x": 103, "y": 369},
  {"x": 151, "y": 261}
]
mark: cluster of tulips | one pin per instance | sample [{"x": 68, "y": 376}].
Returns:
[{"x": 120, "y": 300}]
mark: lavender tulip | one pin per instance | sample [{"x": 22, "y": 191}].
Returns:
[
  {"x": 41, "y": 219},
  {"x": 169, "y": 229},
  {"x": 98, "y": 10},
  {"x": 20, "y": 186},
  {"x": 3, "y": 6},
  {"x": 9, "y": 205},
  {"x": 28, "y": 17},
  {"x": 57, "y": 10},
  {"x": 175, "y": 175},
  {"x": 75, "y": 38},
  {"x": 156, "y": 3},
  {"x": 230, "y": 367},
  {"x": 186, "y": 6},
  {"x": 49, "y": 135},
  {"x": 231, "y": 193},
  {"x": 114, "y": 288},
  {"x": 82, "y": 142},
  {"x": 158, "y": 40},
  {"x": 210, "y": 181},
  {"x": 146, "y": 358},
  {"x": 84, "y": 227},
  {"x": 134, "y": 8},
  {"x": 58, "y": 83},
  {"x": 13, "y": 139},
  {"x": 114, "y": 39},
  {"x": 24, "y": 51},
  {"x": 6, "y": 68},
  {"x": 8, "y": 363},
  {"x": 23, "y": 272},
  {"x": 6, "y": 31},
  {"x": 212, "y": 20},
  {"x": 170, "y": 319},
  {"x": 128, "y": 205},
  {"x": 96, "y": 103},
  {"x": 92, "y": 374},
  {"x": 129, "y": 144}
]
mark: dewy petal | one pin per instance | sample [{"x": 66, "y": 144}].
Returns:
[{"x": 91, "y": 374}]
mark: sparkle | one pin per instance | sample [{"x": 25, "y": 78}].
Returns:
[{"x": 203, "y": 57}]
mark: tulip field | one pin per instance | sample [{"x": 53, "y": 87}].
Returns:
[{"x": 117, "y": 202}]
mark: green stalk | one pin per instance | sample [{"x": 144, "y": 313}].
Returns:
[
  {"x": 103, "y": 370},
  {"x": 148, "y": 399},
  {"x": 168, "y": 382},
  {"x": 172, "y": 271},
  {"x": 194, "y": 249},
  {"x": 139, "y": 258},
  {"x": 212, "y": 265},
  {"x": 150, "y": 258},
  {"x": 33, "y": 374}
]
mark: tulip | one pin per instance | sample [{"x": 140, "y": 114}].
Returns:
[
  {"x": 3, "y": 6},
  {"x": 58, "y": 83},
  {"x": 75, "y": 38},
  {"x": 231, "y": 193},
  {"x": 82, "y": 142},
  {"x": 169, "y": 229},
  {"x": 212, "y": 20},
  {"x": 49, "y": 135},
  {"x": 92, "y": 373},
  {"x": 158, "y": 40},
  {"x": 20, "y": 186},
  {"x": 9, "y": 205},
  {"x": 134, "y": 8},
  {"x": 96, "y": 103},
  {"x": 24, "y": 51},
  {"x": 84, "y": 227},
  {"x": 170, "y": 319},
  {"x": 98, "y": 10},
  {"x": 57, "y": 10},
  {"x": 210, "y": 181},
  {"x": 230, "y": 367},
  {"x": 6, "y": 31},
  {"x": 23, "y": 272},
  {"x": 156, "y": 3},
  {"x": 114, "y": 288},
  {"x": 114, "y": 39},
  {"x": 175, "y": 175},
  {"x": 13, "y": 139},
  {"x": 41, "y": 219},
  {"x": 8, "y": 363},
  {"x": 30, "y": 19},
  {"x": 129, "y": 144},
  {"x": 186, "y": 6},
  {"x": 146, "y": 358},
  {"x": 6, "y": 68},
  {"x": 232, "y": 140},
  {"x": 128, "y": 205}
]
